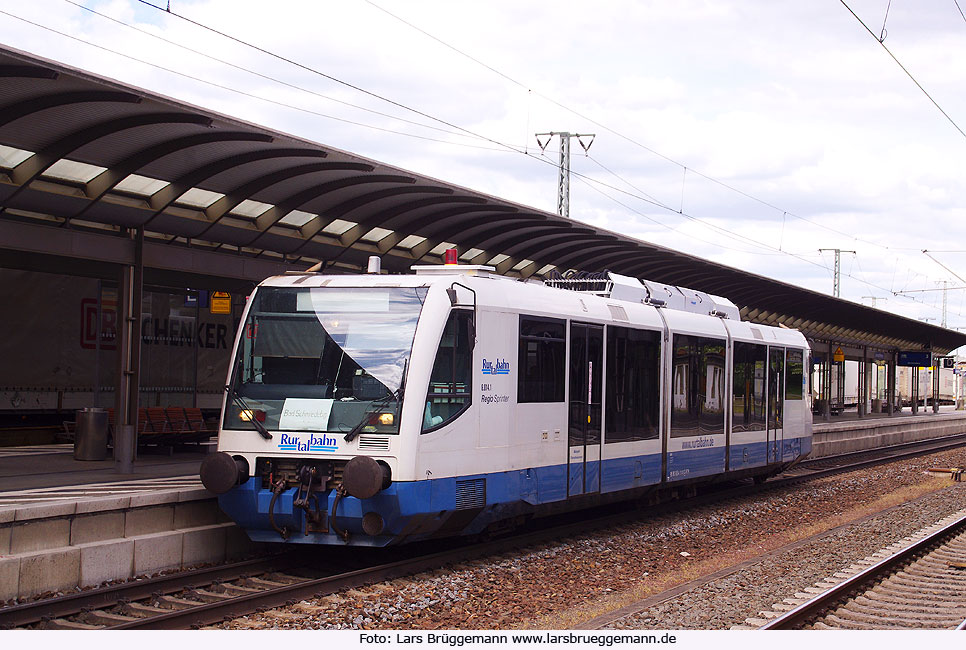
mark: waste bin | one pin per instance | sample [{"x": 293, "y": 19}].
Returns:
[{"x": 90, "y": 434}]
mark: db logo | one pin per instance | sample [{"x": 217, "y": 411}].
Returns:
[{"x": 108, "y": 328}]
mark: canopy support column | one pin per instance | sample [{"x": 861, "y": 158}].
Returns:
[{"x": 129, "y": 296}]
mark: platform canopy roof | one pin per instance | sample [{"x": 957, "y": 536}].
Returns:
[{"x": 84, "y": 160}]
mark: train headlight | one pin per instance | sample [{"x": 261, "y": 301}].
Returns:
[
  {"x": 247, "y": 415},
  {"x": 386, "y": 419}
]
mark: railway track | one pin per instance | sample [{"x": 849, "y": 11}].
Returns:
[
  {"x": 207, "y": 596},
  {"x": 922, "y": 586},
  {"x": 865, "y": 458},
  {"x": 211, "y": 595}
]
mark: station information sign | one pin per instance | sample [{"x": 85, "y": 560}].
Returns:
[{"x": 915, "y": 359}]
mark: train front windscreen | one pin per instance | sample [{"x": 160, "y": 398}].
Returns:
[{"x": 323, "y": 359}]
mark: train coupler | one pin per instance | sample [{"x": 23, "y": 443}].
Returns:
[{"x": 315, "y": 519}]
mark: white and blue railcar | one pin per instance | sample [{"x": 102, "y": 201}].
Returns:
[{"x": 383, "y": 409}]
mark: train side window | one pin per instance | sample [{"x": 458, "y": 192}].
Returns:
[
  {"x": 633, "y": 384},
  {"x": 541, "y": 360},
  {"x": 748, "y": 387},
  {"x": 697, "y": 407},
  {"x": 449, "y": 384},
  {"x": 794, "y": 372}
]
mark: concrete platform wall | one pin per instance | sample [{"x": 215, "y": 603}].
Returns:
[
  {"x": 859, "y": 435},
  {"x": 63, "y": 545}
]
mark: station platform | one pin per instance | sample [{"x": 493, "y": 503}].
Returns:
[
  {"x": 852, "y": 413},
  {"x": 67, "y": 524},
  {"x": 50, "y": 466}
]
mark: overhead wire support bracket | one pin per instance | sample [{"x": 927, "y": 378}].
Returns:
[{"x": 563, "y": 177}]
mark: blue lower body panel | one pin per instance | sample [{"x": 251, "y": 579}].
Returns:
[
  {"x": 691, "y": 463},
  {"x": 630, "y": 472},
  {"x": 465, "y": 505},
  {"x": 742, "y": 456}
]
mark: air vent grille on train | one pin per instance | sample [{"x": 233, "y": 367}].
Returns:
[
  {"x": 373, "y": 443},
  {"x": 617, "y": 312},
  {"x": 470, "y": 494}
]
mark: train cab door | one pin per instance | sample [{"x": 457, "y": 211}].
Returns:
[
  {"x": 776, "y": 400},
  {"x": 586, "y": 388}
]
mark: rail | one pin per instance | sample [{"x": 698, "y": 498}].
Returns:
[{"x": 814, "y": 608}]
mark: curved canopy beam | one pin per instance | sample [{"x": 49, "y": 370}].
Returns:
[
  {"x": 223, "y": 206},
  {"x": 365, "y": 225},
  {"x": 27, "y": 72},
  {"x": 107, "y": 180},
  {"x": 430, "y": 224},
  {"x": 344, "y": 209},
  {"x": 196, "y": 176},
  {"x": 33, "y": 167},
  {"x": 507, "y": 240},
  {"x": 13, "y": 112}
]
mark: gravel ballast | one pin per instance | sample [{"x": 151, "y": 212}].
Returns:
[{"x": 581, "y": 580}]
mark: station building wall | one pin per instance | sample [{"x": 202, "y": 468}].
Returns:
[{"x": 58, "y": 355}]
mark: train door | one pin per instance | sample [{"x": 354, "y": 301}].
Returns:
[
  {"x": 586, "y": 372},
  {"x": 776, "y": 399}
]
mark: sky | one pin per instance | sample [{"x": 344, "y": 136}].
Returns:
[{"x": 750, "y": 133}]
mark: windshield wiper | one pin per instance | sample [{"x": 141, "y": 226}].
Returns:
[
  {"x": 240, "y": 402},
  {"x": 391, "y": 397},
  {"x": 357, "y": 429},
  {"x": 374, "y": 406}
]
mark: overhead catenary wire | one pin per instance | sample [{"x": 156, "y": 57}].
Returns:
[
  {"x": 325, "y": 75},
  {"x": 685, "y": 169},
  {"x": 717, "y": 244},
  {"x": 503, "y": 146},
  {"x": 623, "y": 136},
  {"x": 908, "y": 74},
  {"x": 883, "y": 33},
  {"x": 646, "y": 199},
  {"x": 262, "y": 75},
  {"x": 956, "y": 275},
  {"x": 237, "y": 90},
  {"x": 681, "y": 212}
]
